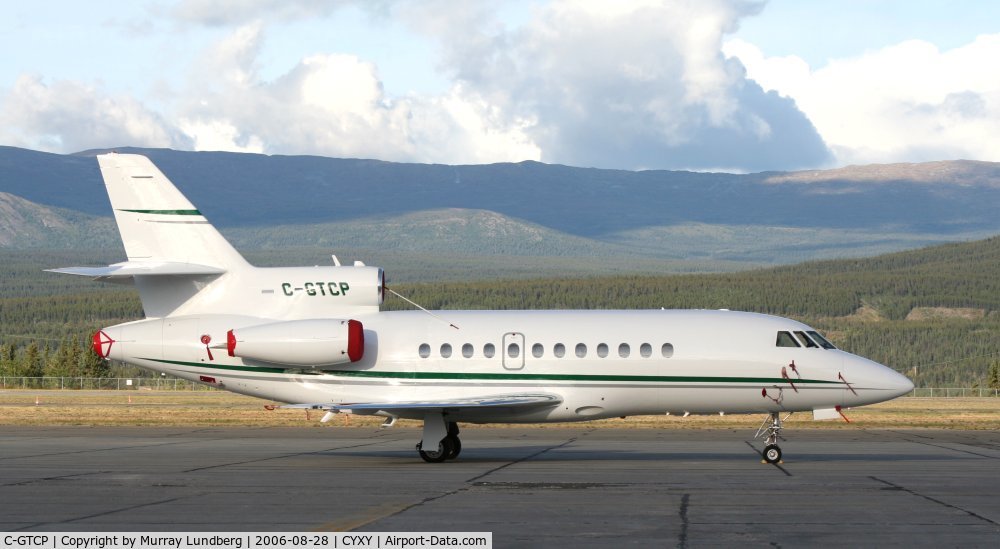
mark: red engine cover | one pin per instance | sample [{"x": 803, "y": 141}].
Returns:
[
  {"x": 101, "y": 344},
  {"x": 355, "y": 340}
]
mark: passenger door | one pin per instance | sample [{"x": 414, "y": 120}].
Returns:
[{"x": 512, "y": 352}]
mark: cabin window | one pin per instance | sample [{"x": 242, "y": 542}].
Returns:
[
  {"x": 624, "y": 350},
  {"x": 785, "y": 339},
  {"x": 425, "y": 350},
  {"x": 559, "y": 350},
  {"x": 581, "y": 350},
  {"x": 822, "y": 340},
  {"x": 602, "y": 350},
  {"x": 446, "y": 350},
  {"x": 804, "y": 339},
  {"x": 467, "y": 350},
  {"x": 537, "y": 350},
  {"x": 646, "y": 350},
  {"x": 513, "y": 350},
  {"x": 667, "y": 350},
  {"x": 489, "y": 350}
]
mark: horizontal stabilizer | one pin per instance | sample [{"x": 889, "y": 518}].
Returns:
[
  {"x": 141, "y": 268},
  {"x": 482, "y": 403}
]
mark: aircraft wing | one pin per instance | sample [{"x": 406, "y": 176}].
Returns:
[
  {"x": 519, "y": 400},
  {"x": 129, "y": 269}
]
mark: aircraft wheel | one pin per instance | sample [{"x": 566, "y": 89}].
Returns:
[
  {"x": 444, "y": 449},
  {"x": 456, "y": 446},
  {"x": 772, "y": 454}
]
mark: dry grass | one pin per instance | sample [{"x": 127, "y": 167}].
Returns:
[{"x": 215, "y": 408}]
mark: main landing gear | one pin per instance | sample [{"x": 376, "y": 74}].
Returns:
[
  {"x": 447, "y": 445},
  {"x": 771, "y": 453}
]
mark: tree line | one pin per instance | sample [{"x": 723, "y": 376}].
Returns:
[
  {"x": 67, "y": 358},
  {"x": 42, "y": 314}
]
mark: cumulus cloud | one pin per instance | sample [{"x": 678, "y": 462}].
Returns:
[
  {"x": 240, "y": 12},
  {"x": 335, "y": 104},
  {"x": 640, "y": 84},
  {"x": 630, "y": 84},
  {"x": 906, "y": 102},
  {"x": 69, "y": 116}
]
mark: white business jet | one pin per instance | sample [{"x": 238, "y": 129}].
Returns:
[{"x": 314, "y": 337}]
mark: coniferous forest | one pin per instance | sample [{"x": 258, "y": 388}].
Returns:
[{"x": 933, "y": 314}]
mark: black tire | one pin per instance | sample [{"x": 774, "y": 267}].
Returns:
[
  {"x": 456, "y": 447},
  {"x": 444, "y": 449},
  {"x": 772, "y": 454}
]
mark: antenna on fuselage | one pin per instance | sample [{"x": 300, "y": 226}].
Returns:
[{"x": 397, "y": 294}]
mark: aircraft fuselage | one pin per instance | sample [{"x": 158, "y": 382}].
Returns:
[{"x": 602, "y": 363}]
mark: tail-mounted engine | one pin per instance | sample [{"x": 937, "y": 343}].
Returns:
[
  {"x": 317, "y": 343},
  {"x": 323, "y": 289}
]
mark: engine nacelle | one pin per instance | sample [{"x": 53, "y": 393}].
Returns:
[
  {"x": 320, "y": 342},
  {"x": 322, "y": 289}
]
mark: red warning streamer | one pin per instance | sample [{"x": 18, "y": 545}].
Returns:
[
  {"x": 841, "y": 377},
  {"x": 206, "y": 339},
  {"x": 777, "y": 400},
  {"x": 784, "y": 375}
]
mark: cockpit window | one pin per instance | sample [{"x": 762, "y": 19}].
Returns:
[
  {"x": 804, "y": 339},
  {"x": 785, "y": 339},
  {"x": 822, "y": 340}
]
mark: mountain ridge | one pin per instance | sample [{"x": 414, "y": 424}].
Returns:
[{"x": 768, "y": 217}]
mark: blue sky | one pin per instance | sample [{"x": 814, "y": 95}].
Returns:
[
  {"x": 697, "y": 84},
  {"x": 819, "y": 31}
]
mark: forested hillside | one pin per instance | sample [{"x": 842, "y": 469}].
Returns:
[{"x": 932, "y": 313}]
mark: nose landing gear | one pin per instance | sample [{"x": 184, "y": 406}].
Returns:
[{"x": 771, "y": 453}]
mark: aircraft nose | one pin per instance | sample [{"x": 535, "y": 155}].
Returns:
[
  {"x": 883, "y": 382},
  {"x": 897, "y": 383}
]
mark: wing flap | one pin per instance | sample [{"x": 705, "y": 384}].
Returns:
[{"x": 521, "y": 400}]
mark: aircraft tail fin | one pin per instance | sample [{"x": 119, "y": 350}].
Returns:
[
  {"x": 157, "y": 223},
  {"x": 173, "y": 251}
]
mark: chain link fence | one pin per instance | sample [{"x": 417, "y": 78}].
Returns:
[
  {"x": 952, "y": 392},
  {"x": 103, "y": 383},
  {"x": 174, "y": 384}
]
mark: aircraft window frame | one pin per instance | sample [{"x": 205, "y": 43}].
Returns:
[
  {"x": 581, "y": 350},
  {"x": 624, "y": 350},
  {"x": 602, "y": 350},
  {"x": 783, "y": 338},
  {"x": 667, "y": 350},
  {"x": 424, "y": 350},
  {"x": 514, "y": 349},
  {"x": 446, "y": 350},
  {"x": 468, "y": 350},
  {"x": 559, "y": 350},
  {"x": 489, "y": 350},
  {"x": 823, "y": 342},
  {"x": 805, "y": 340},
  {"x": 537, "y": 350},
  {"x": 645, "y": 350}
]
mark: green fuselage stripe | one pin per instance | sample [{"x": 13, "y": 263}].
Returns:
[
  {"x": 264, "y": 369},
  {"x": 164, "y": 212},
  {"x": 514, "y": 376}
]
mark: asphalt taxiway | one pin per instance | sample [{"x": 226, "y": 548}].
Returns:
[{"x": 578, "y": 487}]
